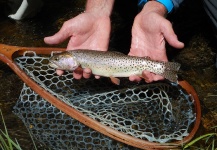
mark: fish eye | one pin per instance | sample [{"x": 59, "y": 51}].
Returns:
[{"x": 57, "y": 59}]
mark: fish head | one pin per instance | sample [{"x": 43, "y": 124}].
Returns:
[{"x": 63, "y": 61}]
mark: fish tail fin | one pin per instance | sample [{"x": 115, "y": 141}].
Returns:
[
  {"x": 173, "y": 66},
  {"x": 171, "y": 69}
]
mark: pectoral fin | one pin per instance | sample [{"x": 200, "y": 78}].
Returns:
[{"x": 115, "y": 80}]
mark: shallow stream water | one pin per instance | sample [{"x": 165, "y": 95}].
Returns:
[{"x": 190, "y": 23}]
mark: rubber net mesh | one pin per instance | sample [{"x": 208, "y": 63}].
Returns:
[{"x": 158, "y": 112}]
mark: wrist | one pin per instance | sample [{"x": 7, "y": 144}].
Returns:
[
  {"x": 100, "y": 7},
  {"x": 153, "y": 6},
  {"x": 168, "y": 4}
]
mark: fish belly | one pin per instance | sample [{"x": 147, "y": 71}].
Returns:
[{"x": 114, "y": 72}]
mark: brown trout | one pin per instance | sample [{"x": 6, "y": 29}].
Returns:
[{"x": 113, "y": 64}]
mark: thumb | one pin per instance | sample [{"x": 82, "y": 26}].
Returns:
[
  {"x": 171, "y": 37},
  {"x": 59, "y": 37}
]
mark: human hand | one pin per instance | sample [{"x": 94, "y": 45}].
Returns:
[
  {"x": 149, "y": 32},
  {"x": 86, "y": 31}
]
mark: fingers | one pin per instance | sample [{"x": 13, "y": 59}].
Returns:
[
  {"x": 77, "y": 73},
  {"x": 170, "y": 35},
  {"x": 150, "y": 77},
  {"x": 97, "y": 77},
  {"x": 135, "y": 78},
  {"x": 59, "y": 72},
  {"x": 147, "y": 76},
  {"x": 86, "y": 73},
  {"x": 60, "y": 36}
]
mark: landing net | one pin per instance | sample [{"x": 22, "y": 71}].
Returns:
[{"x": 159, "y": 112}]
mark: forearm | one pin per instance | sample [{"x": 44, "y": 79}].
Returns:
[{"x": 101, "y": 7}]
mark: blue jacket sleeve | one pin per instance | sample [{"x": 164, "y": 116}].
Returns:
[{"x": 176, "y": 3}]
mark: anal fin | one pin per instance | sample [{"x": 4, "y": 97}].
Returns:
[{"x": 115, "y": 80}]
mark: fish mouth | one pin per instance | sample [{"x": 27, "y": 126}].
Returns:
[{"x": 53, "y": 65}]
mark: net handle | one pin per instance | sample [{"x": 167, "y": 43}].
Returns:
[
  {"x": 7, "y": 53},
  {"x": 12, "y": 51}
]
